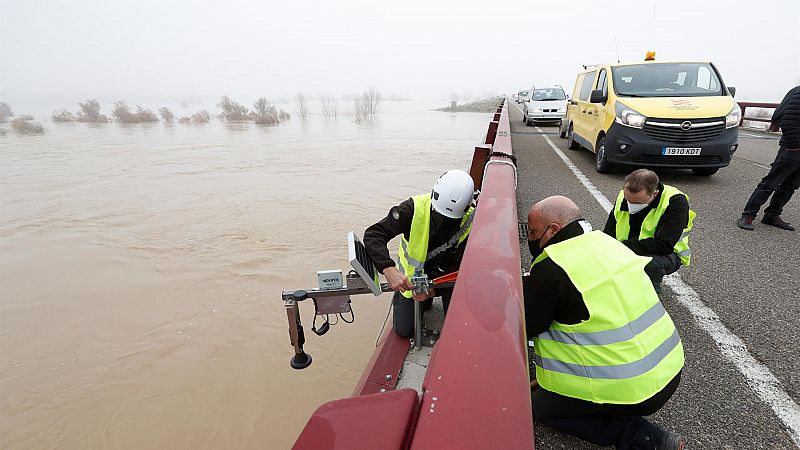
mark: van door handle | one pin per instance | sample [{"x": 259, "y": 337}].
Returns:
[{"x": 584, "y": 111}]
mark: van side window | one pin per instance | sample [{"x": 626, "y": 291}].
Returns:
[
  {"x": 576, "y": 93},
  {"x": 602, "y": 82},
  {"x": 586, "y": 88}
]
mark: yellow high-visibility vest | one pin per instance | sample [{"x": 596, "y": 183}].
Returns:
[
  {"x": 414, "y": 252},
  {"x": 650, "y": 222},
  {"x": 628, "y": 349}
]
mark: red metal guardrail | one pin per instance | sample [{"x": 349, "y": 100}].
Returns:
[
  {"x": 477, "y": 388},
  {"x": 745, "y": 105}
]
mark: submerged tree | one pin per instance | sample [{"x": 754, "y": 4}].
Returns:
[
  {"x": 302, "y": 105},
  {"x": 166, "y": 115},
  {"x": 5, "y": 112},
  {"x": 123, "y": 114},
  {"x": 329, "y": 106},
  {"x": 366, "y": 104},
  {"x": 265, "y": 113},
  {"x": 23, "y": 126},
  {"x": 231, "y": 110},
  {"x": 90, "y": 112},
  {"x": 62, "y": 115},
  {"x": 201, "y": 116}
]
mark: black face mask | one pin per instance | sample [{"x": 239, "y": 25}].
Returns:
[
  {"x": 533, "y": 246},
  {"x": 438, "y": 220}
]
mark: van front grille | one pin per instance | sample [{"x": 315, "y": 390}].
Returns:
[
  {"x": 699, "y": 160},
  {"x": 670, "y": 130}
]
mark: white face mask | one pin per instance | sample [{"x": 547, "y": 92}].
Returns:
[{"x": 634, "y": 208}]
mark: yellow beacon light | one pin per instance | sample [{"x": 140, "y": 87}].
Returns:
[{"x": 650, "y": 56}]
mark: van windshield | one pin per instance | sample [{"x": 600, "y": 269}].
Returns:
[
  {"x": 548, "y": 94},
  {"x": 666, "y": 80}
]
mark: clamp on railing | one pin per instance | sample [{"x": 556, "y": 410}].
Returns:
[{"x": 512, "y": 163}]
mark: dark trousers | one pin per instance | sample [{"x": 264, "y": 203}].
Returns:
[
  {"x": 403, "y": 311},
  {"x": 781, "y": 182},
  {"x": 660, "y": 266},
  {"x": 603, "y": 424}
]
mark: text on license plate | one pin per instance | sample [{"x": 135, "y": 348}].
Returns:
[{"x": 676, "y": 151}]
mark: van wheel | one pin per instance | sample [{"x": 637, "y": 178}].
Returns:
[
  {"x": 705, "y": 172},
  {"x": 571, "y": 144},
  {"x": 601, "y": 163}
]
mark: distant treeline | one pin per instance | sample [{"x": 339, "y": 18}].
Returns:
[{"x": 262, "y": 112}]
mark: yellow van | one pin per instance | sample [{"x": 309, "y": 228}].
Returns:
[{"x": 654, "y": 114}]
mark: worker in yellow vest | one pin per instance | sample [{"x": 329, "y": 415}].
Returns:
[
  {"x": 653, "y": 219},
  {"x": 598, "y": 373},
  {"x": 434, "y": 227}
]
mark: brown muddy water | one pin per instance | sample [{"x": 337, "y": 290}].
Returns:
[{"x": 141, "y": 269}]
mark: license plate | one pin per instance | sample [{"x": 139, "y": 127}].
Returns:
[{"x": 677, "y": 151}]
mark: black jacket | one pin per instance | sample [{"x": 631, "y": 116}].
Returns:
[
  {"x": 550, "y": 294},
  {"x": 787, "y": 116},
  {"x": 668, "y": 231},
  {"x": 398, "y": 222}
]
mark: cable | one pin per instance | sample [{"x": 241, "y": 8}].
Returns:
[
  {"x": 391, "y": 304},
  {"x": 352, "y": 316}
]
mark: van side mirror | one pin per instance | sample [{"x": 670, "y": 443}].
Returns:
[
  {"x": 597, "y": 97},
  {"x": 732, "y": 90}
]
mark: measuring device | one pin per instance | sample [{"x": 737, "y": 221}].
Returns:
[{"x": 332, "y": 296}]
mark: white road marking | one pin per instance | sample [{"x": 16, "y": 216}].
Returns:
[
  {"x": 761, "y": 165},
  {"x": 760, "y": 379}
]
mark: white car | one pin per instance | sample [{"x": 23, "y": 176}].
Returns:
[
  {"x": 521, "y": 96},
  {"x": 547, "y": 104}
]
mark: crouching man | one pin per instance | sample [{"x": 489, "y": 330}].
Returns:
[{"x": 607, "y": 353}]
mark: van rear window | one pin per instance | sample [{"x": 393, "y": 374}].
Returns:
[{"x": 666, "y": 80}]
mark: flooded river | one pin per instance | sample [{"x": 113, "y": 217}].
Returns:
[{"x": 141, "y": 269}]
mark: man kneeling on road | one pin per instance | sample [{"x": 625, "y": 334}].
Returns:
[
  {"x": 434, "y": 228},
  {"x": 653, "y": 219},
  {"x": 597, "y": 373}
]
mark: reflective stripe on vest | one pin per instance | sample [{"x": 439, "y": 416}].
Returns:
[
  {"x": 413, "y": 253},
  {"x": 628, "y": 349},
  {"x": 650, "y": 222}
]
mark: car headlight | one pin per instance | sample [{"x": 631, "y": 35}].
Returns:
[
  {"x": 537, "y": 110},
  {"x": 733, "y": 117},
  {"x": 627, "y": 116},
  {"x": 562, "y": 109}
]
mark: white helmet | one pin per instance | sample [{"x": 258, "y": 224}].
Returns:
[{"x": 452, "y": 194}]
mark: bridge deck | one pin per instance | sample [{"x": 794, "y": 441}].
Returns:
[{"x": 751, "y": 280}]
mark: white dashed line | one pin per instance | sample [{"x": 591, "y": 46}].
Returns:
[
  {"x": 761, "y": 165},
  {"x": 760, "y": 379}
]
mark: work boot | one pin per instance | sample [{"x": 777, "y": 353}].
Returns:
[
  {"x": 745, "y": 223},
  {"x": 776, "y": 221},
  {"x": 670, "y": 441}
]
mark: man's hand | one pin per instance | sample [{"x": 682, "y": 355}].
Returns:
[
  {"x": 422, "y": 297},
  {"x": 397, "y": 280}
]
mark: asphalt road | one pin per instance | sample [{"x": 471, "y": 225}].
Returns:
[{"x": 751, "y": 280}]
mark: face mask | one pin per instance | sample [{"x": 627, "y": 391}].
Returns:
[
  {"x": 439, "y": 221},
  {"x": 634, "y": 208},
  {"x": 533, "y": 246}
]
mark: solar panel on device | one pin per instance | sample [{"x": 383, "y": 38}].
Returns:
[{"x": 362, "y": 264}]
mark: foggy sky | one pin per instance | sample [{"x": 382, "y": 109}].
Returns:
[{"x": 61, "y": 52}]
